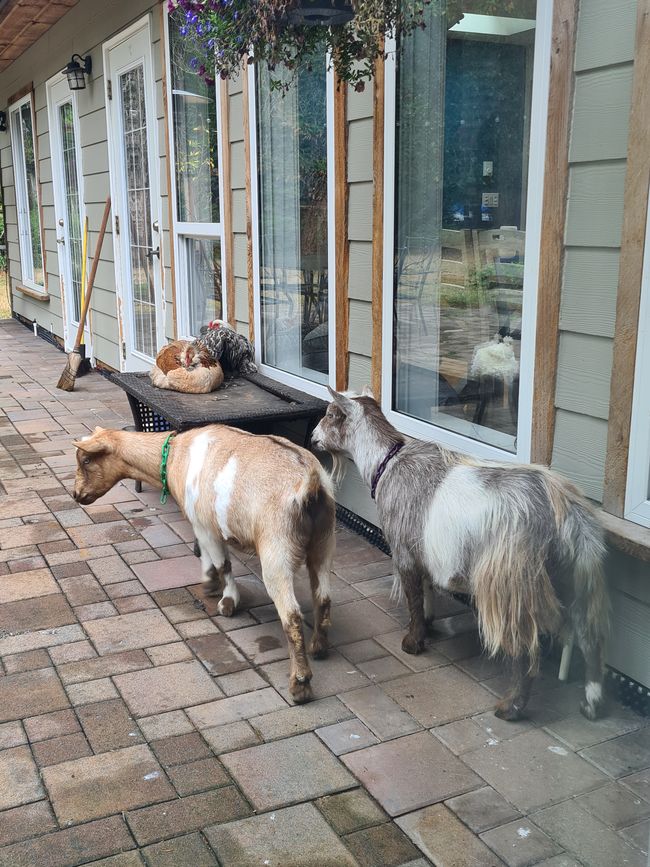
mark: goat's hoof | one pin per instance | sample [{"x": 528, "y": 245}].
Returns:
[
  {"x": 319, "y": 647},
  {"x": 226, "y": 606},
  {"x": 412, "y": 645},
  {"x": 591, "y": 711},
  {"x": 300, "y": 691},
  {"x": 507, "y": 710}
]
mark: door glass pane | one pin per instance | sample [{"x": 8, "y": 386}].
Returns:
[
  {"x": 30, "y": 218},
  {"x": 292, "y": 158},
  {"x": 136, "y": 165},
  {"x": 195, "y": 130},
  {"x": 71, "y": 193},
  {"x": 203, "y": 257},
  {"x": 463, "y": 123}
]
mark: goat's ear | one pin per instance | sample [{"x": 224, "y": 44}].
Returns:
[
  {"x": 367, "y": 392},
  {"x": 92, "y": 445},
  {"x": 341, "y": 400}
]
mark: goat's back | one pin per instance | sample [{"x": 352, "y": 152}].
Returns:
[{"x": 250, "y": 485}]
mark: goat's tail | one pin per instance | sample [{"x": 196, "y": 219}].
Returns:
[
  {"x": 515, "y": 599},
  {"x": 315, "y": 508}
]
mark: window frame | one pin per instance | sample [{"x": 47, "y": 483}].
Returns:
[
  {"x": 534, "y": 206},
  {"x": 22, "y": 205},
  {"x": 637, "y": 491},
  {"x": 181, "y": 230},
  {"x": 291, "y": 379}
]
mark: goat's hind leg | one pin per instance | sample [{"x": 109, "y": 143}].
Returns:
[
  {"x": 278, "y": 579},
  {"x": 593, "y": 703},
  {"x": 319, "y": 566}
]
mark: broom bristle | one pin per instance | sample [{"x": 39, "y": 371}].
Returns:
[{"x": 67, "y": 379}]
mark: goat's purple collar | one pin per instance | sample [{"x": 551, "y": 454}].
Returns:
[{"x": 381, "y": 469}]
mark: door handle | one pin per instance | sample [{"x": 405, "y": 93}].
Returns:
[
  {"x": 151, "y": 253},
  {"x": 60, "y": 240}
]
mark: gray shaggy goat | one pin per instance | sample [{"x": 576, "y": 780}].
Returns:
[{"x": 520, "y": 540}]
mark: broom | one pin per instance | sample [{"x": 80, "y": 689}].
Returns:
[{"x": 69, "y": 375}]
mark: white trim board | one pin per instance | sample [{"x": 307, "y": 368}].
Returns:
[
  {"x": 179, "y": 229},
  {"x": 637, "y": 495}
]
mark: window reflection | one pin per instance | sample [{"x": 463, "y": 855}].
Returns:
[{"x": 463, "y": 114}]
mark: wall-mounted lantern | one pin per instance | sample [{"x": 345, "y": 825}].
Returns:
[
  {"x": 76, "y": 72},
  {"x": 3, "y": 121}
]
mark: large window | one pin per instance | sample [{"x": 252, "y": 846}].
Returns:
[
  {"x": 460, "y": 237},
  {"x": 637, "y": 499},
  {"x": 200, "y": 291},
  {"x": 27, "y": 194},
  {"x": 294, "y": 251}
]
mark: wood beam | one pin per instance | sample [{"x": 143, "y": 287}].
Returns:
[
  {"x": 341, "y": 241},
  {"x": 556, "y": 181},
  {"x": 635, "y": 205},
  {"x": 377, "y": 225}
]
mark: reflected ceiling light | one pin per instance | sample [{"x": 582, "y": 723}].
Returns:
[{"x": 492, "y": 25}]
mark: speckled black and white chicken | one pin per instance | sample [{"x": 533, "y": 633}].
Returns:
[{"x": 232, "y": 350}]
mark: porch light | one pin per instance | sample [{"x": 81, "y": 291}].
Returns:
[
  {"x": 76, "y": 71},
  {"x": 3, "y": 121},
  {"x": 321, "y": 12}
]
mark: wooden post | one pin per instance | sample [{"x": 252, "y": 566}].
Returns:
[
  {"x": 341, "y": 241},
  {"x": 635, "y": 204},
  {"x": 377, "y": 226},
  {"x": 556, "y": 180}
]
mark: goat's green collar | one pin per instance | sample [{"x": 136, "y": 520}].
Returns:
[{"x": 163, "y": 468}]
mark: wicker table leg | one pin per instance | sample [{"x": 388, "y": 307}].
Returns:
[{"x": 137, "y": 421}]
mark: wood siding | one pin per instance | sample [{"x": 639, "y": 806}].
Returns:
[{"x": 597, "y": 166}]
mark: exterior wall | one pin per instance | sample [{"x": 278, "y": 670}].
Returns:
[
  {"x": 83, "y": 30},
  {"x": 603, "y": 86},
  {"x": 604, "y": 62}
]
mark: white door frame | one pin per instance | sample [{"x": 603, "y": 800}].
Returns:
[
  {"x": 129, "y": 358},
  {"x": 70, "y": 324}
]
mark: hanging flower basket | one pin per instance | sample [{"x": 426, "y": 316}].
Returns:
[
  {"x": 319, "y": 13},
  {"x": 283, "y": 32}
]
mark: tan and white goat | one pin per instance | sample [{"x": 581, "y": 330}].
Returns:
[{"x": 262, "y": 492}]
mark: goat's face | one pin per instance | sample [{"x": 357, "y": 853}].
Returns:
[
  {"x": 341, "y": 425},
  {"x": 98, "y": 468}
]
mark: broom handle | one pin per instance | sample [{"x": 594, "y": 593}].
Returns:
[{"x": 93, "y": 271}]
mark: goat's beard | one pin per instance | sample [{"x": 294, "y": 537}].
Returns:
[{"x": 339, "y": 468}]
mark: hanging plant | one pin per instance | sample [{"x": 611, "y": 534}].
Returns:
[{"x": 281, "y": 32}]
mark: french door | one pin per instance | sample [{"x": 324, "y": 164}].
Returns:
[
  {"x": 134, "y": 184},
  {"x": 68, "y": 199}
]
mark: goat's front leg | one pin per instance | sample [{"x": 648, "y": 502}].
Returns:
[
  {"x": 413, "y": 641},
  {"x": 429, "y": 604},
  {"x": 511, "y": 707},
  {"x": 217, "y": 571}
]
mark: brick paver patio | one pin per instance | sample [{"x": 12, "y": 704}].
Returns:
[{"x": 138, "y": 728}]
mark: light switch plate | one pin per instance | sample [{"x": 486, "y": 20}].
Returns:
[{"x": 490, "y": 200}]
